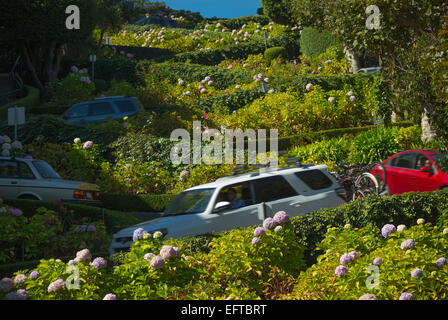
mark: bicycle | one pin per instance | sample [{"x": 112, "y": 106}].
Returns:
[{"x": 356, "y": 181}]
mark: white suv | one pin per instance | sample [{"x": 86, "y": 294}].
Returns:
[{"x": 241, "y": 201}]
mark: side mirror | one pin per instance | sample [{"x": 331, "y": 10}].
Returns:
[{"x": 220, "y": 206}]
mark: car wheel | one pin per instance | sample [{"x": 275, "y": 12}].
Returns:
[{"x": 28, "y": 197}]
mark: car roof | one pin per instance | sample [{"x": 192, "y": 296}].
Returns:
[
  {"x": 263, "y": 173},
  {"x": 110, "y": 98},
  {"x": 21, "y": 159}
]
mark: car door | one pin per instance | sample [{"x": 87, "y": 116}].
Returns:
[
  {"x": 244, "y": 214},
  {"x": 126, "y": 107},
  {"x": 400, "y": 173},
  {"x": 279, "y": 195},
  {"x": 100, "y": 111},
  {"x": 9, "y": 179},
  {"x": 77, "y": 114},
  {"x": 423, "y": 180},
  {"x": 317, "y": 189}
]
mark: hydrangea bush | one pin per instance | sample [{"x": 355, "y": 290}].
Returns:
[{"x": 405, "y": 271}]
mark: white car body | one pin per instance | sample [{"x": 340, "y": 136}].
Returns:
[
  {"x": 305, "y": 200},
  {"x": 29, "y": 183}
]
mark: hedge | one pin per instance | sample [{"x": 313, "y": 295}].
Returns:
[
  {"x": 113, "y": 220},
  {"x": 137, "y": 203},
  {"x": 118, "y": 67},
  {"x": 314, "y": 42},
  {"x": 146, "y": 53},
  {"x": 236, "y": 23},
  {"x": 173, "y": 71},
  {"x": 57, "y": 131},
  {"x": 232, "y": 101},
  {"x": 327, "y": 82},
  {"x": 241, "y": 51},
  {"x": 31, "y": 99}
]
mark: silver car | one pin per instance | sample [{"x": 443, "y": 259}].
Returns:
[
  {"x": 37, "y": 180},
  {"x": 240, "y": 201}
]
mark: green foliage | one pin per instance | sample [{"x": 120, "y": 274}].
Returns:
[
  {"x": 46, "y": 234},
  {"x": 332, "y": 150},
  {"x": 136, "y": 203},
  {"x": 145, "y": 53},
  {"x": 374, "y": 145},
  {"x": 278, "y": 11},
  {"x": 236, "y": 23},
  {"x": 229, "y": 102},
  {"x": 29, "y": 101},
  {"x": 371, "y": 211},
  {"x": 101, "y": 85},
  {"x": 320, "y": 281},
  {"x": 274, "y": 53},
  {"x": 314, "y": 42},
  {"x": 240, "y": 51},
  {"x": 113, "y": 220},
  {"x": 383, "y": 108}
]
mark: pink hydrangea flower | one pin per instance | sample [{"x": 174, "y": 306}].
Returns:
[
  {"x": 157, "y": 262},
  {"x": 56, "y": 285},
  {"x": 83, "y": 255},
  {"x": 6, "y": 284},
  {"x": 281, "y": 217},
  {"x": 110, "y": 296},
  {"x": 88, "y": 145},
  {"x": 167, "y": 252}
]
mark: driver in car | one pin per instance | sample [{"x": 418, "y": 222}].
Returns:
[
  {"x": 427, "y": 166},
  {"x": 232, "y": 198}
]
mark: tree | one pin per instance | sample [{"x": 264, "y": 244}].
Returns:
[
  {"x": 280, "y": 11},
  {"x": 109, "y": 17},
  {"x": 407, "y": 30},
  {"x": 37, "y": 30}
]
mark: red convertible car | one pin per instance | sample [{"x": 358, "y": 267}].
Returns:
[{"x": 415, "y": 170}]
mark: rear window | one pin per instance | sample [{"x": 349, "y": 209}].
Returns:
[
  {"x": 272, "y": 188},
  {"x": 315, "y": 179},
  {"x": 126, "y": 106}
]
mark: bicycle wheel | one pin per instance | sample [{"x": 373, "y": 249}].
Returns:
[
  {"x": 381, "y": 175},
  {"x": 365, "y": 185}
]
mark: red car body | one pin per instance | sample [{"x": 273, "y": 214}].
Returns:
[{"x": 408, "y": 171}]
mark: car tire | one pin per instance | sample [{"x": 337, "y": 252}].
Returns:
[{"x": 28, "y": 197}]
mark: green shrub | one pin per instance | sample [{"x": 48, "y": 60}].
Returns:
[
  {"x": 236, "y": 23},
  {"x": 146, "y": 53},
  {"x": 314, "y": 42},
  {"x": 394, "y": 272},
  {"x": 371, "y": 211},
  {"x": 229, "y": 102},
  {"x": 240, "y": 51},
  {"x": 136, "y": 203},
  {"x": 113, "y": 220},
  {"x": 274, "y": 53},
  {"x": 101, "y": 85},
  {"x": 47, "y": 234},
  {"x": 31, "y": 100},
  {"x": 374, "y": 145}
]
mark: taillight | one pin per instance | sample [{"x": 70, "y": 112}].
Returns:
[
  {"x": 342, "y": 193},
  {"x": 78, "y": 194}
]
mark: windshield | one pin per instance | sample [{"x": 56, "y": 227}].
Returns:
[
  {"x": 45, "y": 170},
  {"x": 441, "y": 161},
  {"x": 194, "y": 201}
]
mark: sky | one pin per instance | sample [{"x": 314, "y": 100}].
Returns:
[{"x": 219, "y": 8}]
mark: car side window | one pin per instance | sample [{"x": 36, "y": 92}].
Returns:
[
  {"x": 9, "y": 169},
  {"x": 101, "y": 108},
  {"x": 314, "y": 179},
  {"x": 272, "y": 188},
  {"x": 25, "y": 171},
  {"x": 239, "y": 195},
  {"x": 125, "y": 105},
  {"x": 405, "y": 161},
  {"x": 79, "y": 111}
]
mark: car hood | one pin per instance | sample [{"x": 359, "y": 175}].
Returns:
[{"x": 157, "y": 224}]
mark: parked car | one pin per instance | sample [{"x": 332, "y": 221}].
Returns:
[
  {"x": 37, "y": 180},
  {"x": 367, "y": 70},
  {"x": 235, "y": 201},
  {"x": 101, "y": 109},
  {"x": 415, "y": 170}
]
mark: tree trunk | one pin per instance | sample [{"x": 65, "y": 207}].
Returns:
[
  {"x": 353, "y": 58},
  {"x": 31, "y": 67},
  {"x": 429, "y": 133}
]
